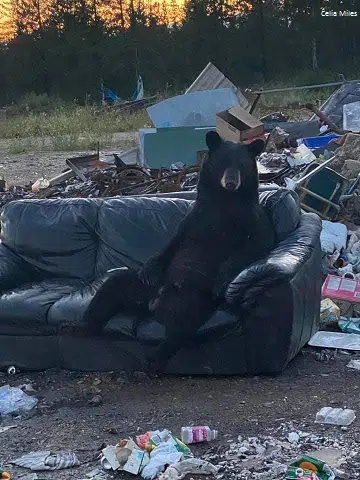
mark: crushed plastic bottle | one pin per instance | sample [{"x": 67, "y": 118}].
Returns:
[
  {"x": 198, "y": 434},
  {"x": 14, "y": 400},
  {"x": 335, "y": 416}
]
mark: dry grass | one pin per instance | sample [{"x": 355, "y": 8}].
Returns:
[
  {"x": 67, "y": 129},
  {"x": 71, "y": 121}
]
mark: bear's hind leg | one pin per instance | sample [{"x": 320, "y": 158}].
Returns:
[
  {"x": 182, "y": 312},
  {"x": 123, "y": 291}
]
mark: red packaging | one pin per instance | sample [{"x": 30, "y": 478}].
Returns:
[{"x": 143, "y": 440}]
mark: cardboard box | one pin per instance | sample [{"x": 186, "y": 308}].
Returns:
[
  {"x": 341, "y": 288},
  {"x": 236, "y": 125}
]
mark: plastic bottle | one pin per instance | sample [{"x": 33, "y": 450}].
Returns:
[{"x": 198, "y": 434}]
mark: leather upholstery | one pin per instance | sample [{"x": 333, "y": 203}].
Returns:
[{"x": 55, "y": 254}]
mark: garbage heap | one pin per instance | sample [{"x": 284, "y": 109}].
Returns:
[{"x": 107, "y": 181}]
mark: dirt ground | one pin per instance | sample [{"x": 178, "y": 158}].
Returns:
[
  {"x": 20, "y": 169},
  {"x": 65, "y": 420}
]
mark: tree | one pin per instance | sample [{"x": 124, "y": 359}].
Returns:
[{"x": 30, "y": 15}]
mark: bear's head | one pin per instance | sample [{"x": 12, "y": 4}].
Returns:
[{"x": 230, "y": 168}]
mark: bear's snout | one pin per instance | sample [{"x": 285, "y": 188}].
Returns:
[{"x": 231, "y": 180}]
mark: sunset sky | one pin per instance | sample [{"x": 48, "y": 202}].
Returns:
[
  {"x": 6, "y": 23},
  {"x": 5, "y": 18}
]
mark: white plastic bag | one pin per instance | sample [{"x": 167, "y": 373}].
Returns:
[
  {"x": 13, "y": 400},
  {"x": 193, "y": 466},
  {"x": 333, "y": 236},
  {"x": 164, "y": 454}
]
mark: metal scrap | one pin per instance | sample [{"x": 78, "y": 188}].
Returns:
[{"x": 111, "y": 181}]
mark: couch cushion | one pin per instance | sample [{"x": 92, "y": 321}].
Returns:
[
  {"x": 283, "y": 208},
  {"x": 57, "y": 236},
  {"x": 28, "y": 305},
  {"x": 151, "y": 332},
  {"x": 131, "y": 229},
  {"x": 68, "y": 311}
]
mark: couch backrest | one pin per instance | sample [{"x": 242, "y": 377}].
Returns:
[
  {"x": 57, "y": 236},
  {"x": 131, "y": 229},
  {"x": 83, "y": 238}
]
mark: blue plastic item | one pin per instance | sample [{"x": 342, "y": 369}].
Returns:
[
  {"x": 317, "y": 142},
  {"x": 196, "y": 109}
]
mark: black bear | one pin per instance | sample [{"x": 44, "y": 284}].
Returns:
[{"x": 225, "y": 226}]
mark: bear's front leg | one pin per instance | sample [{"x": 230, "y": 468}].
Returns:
[{"x": 154, "y": 269}]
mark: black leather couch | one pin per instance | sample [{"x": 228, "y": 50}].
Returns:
[{"x": 54, "y": 255}]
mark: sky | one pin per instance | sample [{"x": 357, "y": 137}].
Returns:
[
  {"x": 5, "y": 19},
  {"x": 6, "y": 25}
]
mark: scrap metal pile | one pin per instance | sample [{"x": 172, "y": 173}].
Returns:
[{"x": 103, "y": 180}]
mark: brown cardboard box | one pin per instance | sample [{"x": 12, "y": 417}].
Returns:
[{"x": 236, "y": 125}]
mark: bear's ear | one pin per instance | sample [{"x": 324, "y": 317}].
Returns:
[
  {"x": 256, "y": 147},
  {"x": 213, "y": 140}
]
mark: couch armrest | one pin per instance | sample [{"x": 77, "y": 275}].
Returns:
[
  {"x": 14, "y": 271},
  {"x": 280, "y": 266}
]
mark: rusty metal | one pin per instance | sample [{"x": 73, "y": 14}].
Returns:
[
  {"x": 108, "y": 182},
  {"x": 324, "y": 119}
]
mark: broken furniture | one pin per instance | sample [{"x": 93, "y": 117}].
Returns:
[
  {"x": 320, "y": 190},
  {"x": 55, "y": 254},
  {"x": 321, "y": 193}
]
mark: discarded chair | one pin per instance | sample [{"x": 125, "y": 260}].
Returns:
[{"x": 320, "y": 193}]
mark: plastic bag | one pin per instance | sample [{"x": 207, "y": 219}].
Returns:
[
  {"x": 309, "y": 468},
  {"x": 349, "y": 325},
  {"x": 193, "y": 466},
  {"x": 335, "y": 416},
  {"x": 162, "y": 455},
  {"x": 13, "y": 400},
  {"x": 47, "y": 460}
]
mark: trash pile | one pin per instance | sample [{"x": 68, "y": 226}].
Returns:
[
  {"x": 107, "y": 181},
  {"x": 157, "y": 454},
  {"x": 288, "y": 453},
  {"x": 319, "y": 157}
]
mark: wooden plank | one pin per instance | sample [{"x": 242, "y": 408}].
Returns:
[
  {"x": 62, "y": 178},
  {"x": 76, "y": 170}
]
